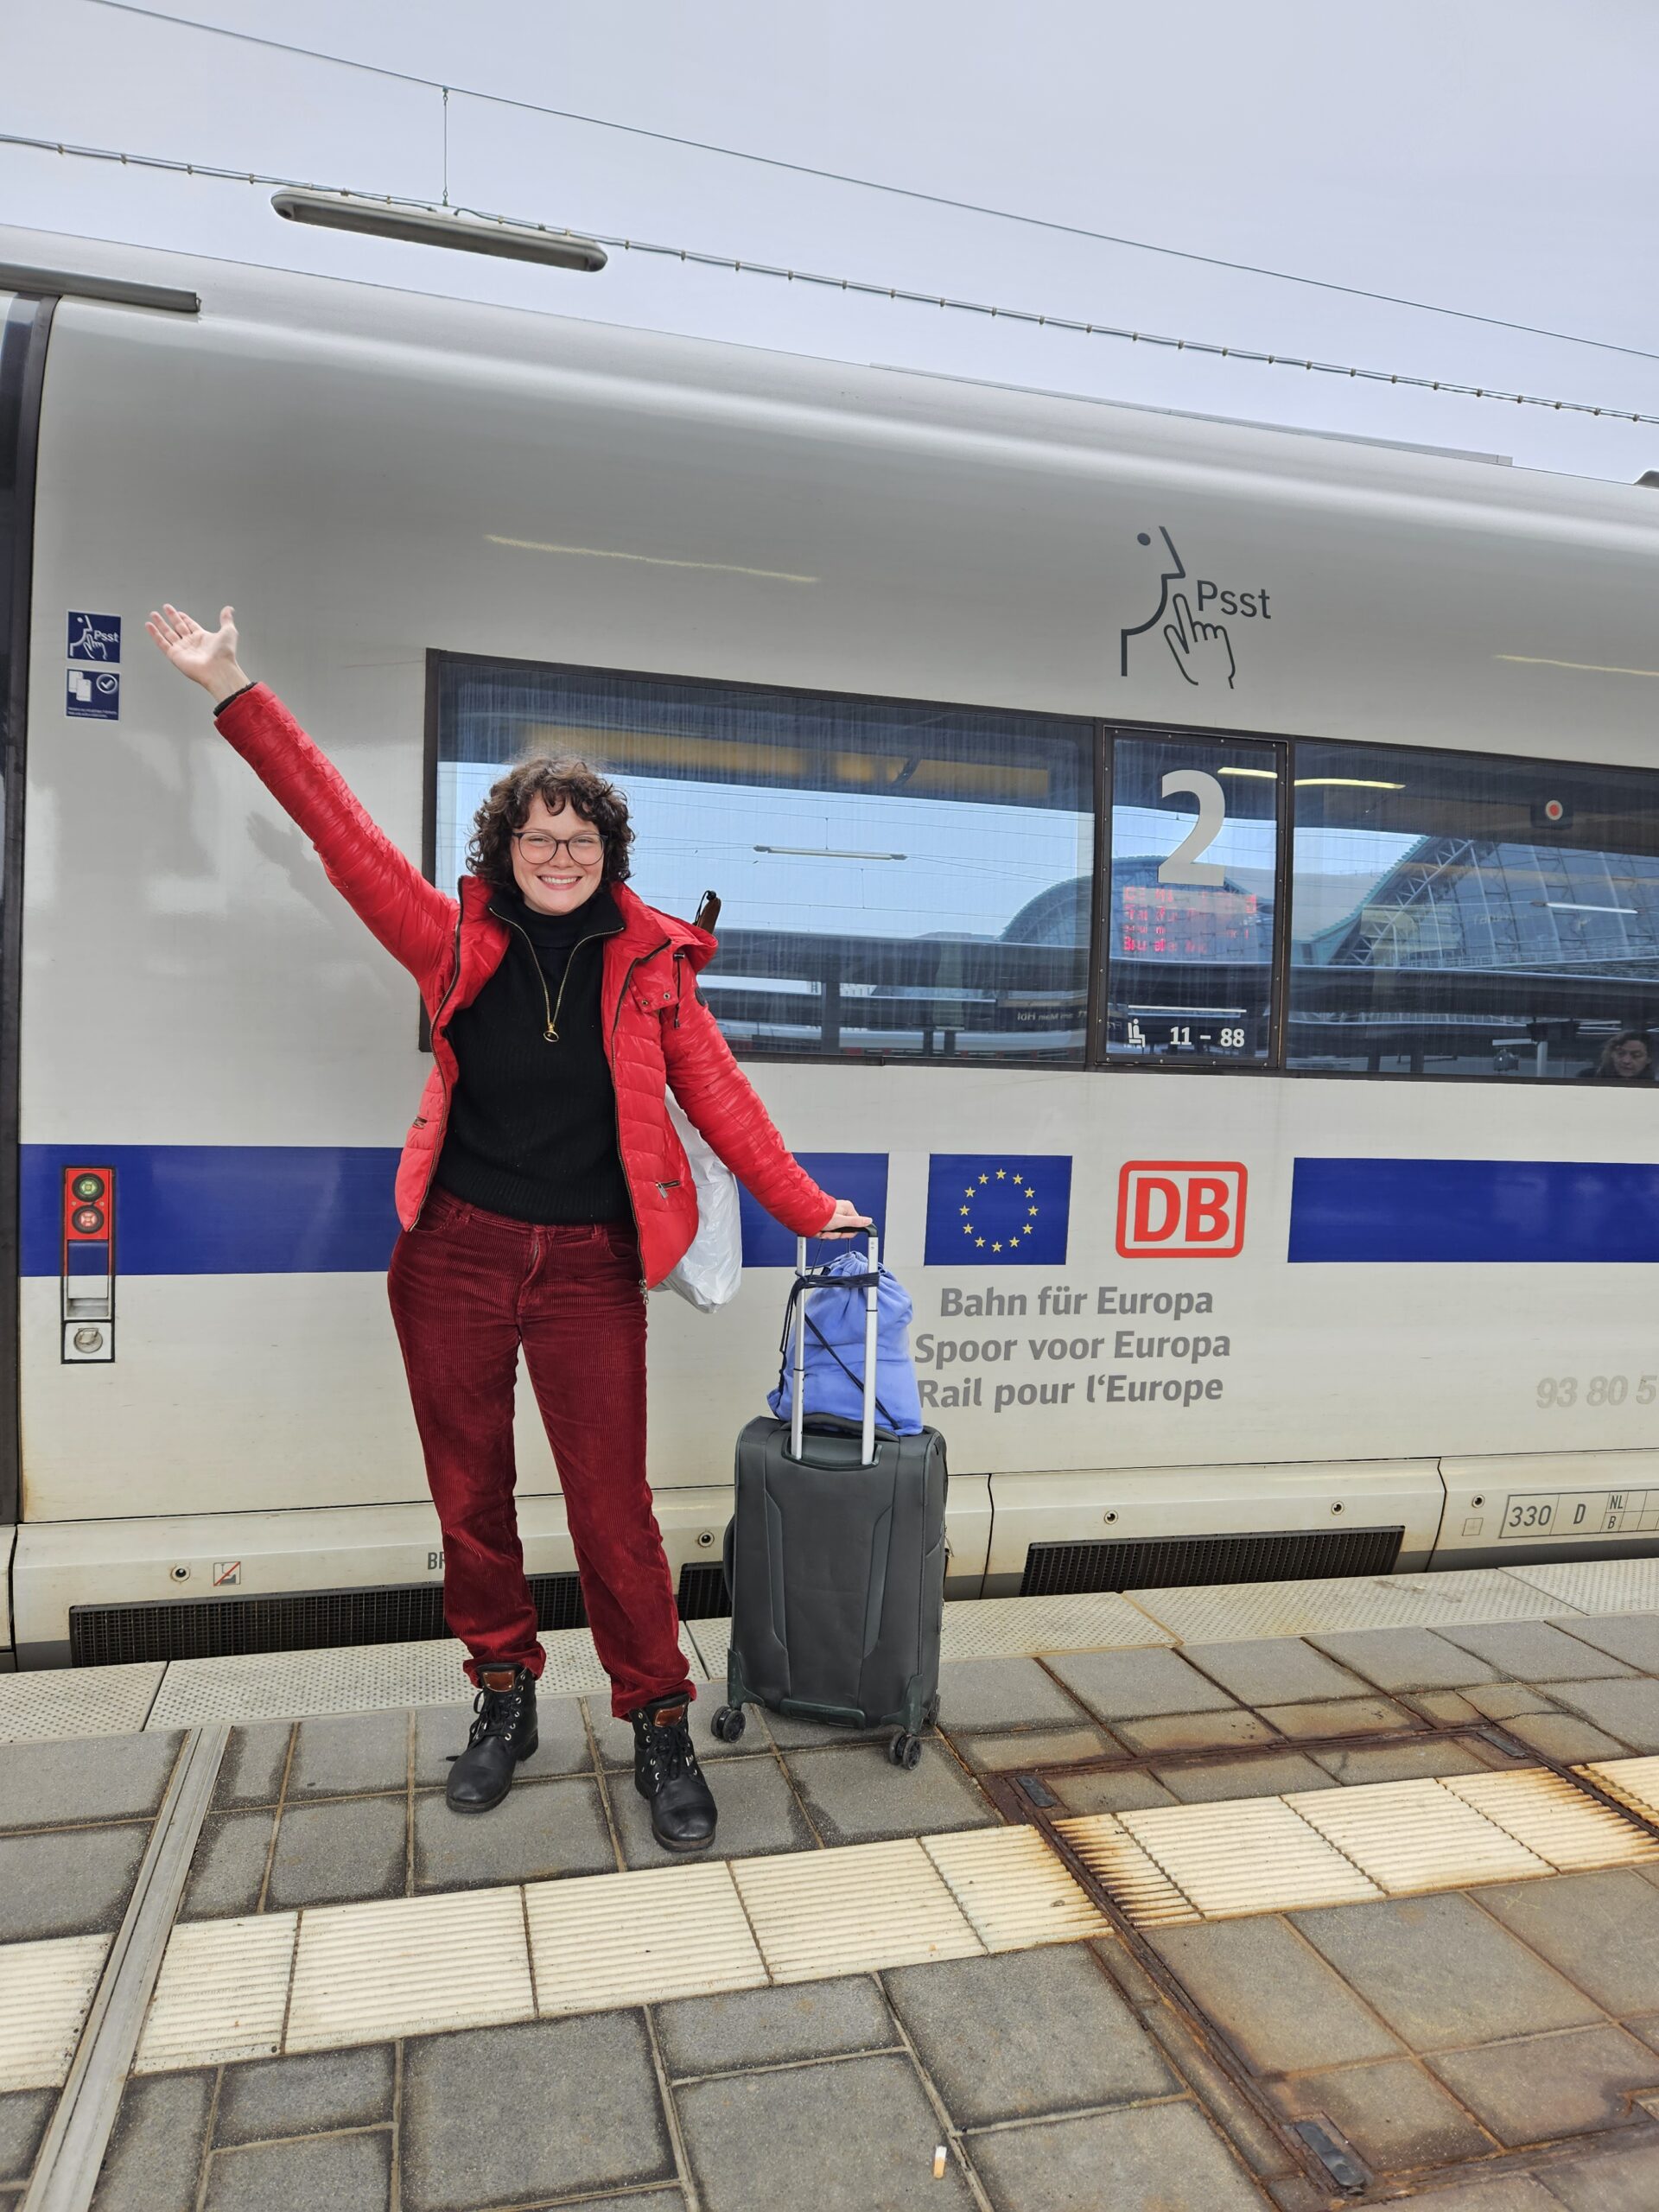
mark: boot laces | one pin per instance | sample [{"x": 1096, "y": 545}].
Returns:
[
  {"x": 497, "y": 1710},
  {"x": 669, "y": 1749}
]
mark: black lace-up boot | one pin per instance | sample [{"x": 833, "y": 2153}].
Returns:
[
  {"x": 666, "y": 1772},
  {"x": 503, "y": 1733}
]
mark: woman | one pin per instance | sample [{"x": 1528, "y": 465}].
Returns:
[
  {"x": 1627, "y": 1058},
  {"x": 542, "y": 1188}
]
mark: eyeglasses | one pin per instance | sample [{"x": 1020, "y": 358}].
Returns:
[{"x": 584, "y": 847}]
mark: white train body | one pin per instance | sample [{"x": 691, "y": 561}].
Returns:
[{"x": 376, "y": 478}]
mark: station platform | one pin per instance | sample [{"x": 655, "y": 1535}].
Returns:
[{"x": 1294, "y": 1895}]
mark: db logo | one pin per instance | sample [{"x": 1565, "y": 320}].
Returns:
[{"x": 1180, "y": 1208}]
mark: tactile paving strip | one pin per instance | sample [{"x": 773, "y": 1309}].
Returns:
[
  {"x": 1635, "y": 1783},
  {"x": 1598, "y": 1586},
  {"x": 1012, "y": 1628},
  {"x": 1412, "y": 1836},
  {"x": 601, "y": 1940},
  {"x": 44, "y": 1989},
  {"x": 1137, "y": 1882},
  {"x": 410, "y": 1966},
  {"x": 34, "y": 1707},
  {"x": 221, "y": 1992},
  {"x": 1561, "y": 1823},
  {"x": 1233, "y": 1613},
  {"x": 1013, "y": 1889},
  {"x": 368, "y": 1678},
  {"x": 1232, "y": 1857},
  {"x": 869, "y": 1906}
]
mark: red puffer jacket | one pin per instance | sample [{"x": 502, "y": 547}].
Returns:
[{"x": 657, "y": 1031}]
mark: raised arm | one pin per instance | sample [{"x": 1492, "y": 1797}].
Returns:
[{"x": 410, "y": 917}]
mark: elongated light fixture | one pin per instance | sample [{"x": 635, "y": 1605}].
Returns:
[{"x": 390, "y": 219}]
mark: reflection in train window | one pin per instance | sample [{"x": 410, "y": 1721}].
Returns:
[
  {"x": 1453, "y": 914},
  {"x": 1190, "y": 938},
  {"x": 897, "y": 878}
]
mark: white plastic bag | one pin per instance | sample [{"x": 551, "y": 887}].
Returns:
[{"x": 709, "y": 1273}]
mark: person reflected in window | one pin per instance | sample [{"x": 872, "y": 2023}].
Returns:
[{"x": 1627, "y": 1058}]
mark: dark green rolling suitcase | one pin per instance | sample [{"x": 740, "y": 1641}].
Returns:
[{"x": 835, "y": 1564}]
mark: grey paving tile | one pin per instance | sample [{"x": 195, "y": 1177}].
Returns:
[
  {"x": 1562, "y": 1736},
  {"x": 857, "y": 1795},
  {"x": 327, "y": 1853},
  {"x": 58, "y": 1885},
  {"x": 758, "y": 1812},
  {"x": 1340, "y": 1716},
  {"x": 791, "y": 1733},
  {"x": 1441, "y": 1971},
  {"x": 1405, "y": 1659},
  {"x": 1159, "y": 2158},
  {"x": 23, "y": 2115},
  {"x": 765, "y": 2027},
  {"x": 615, "y": 1737},
  {"x": 342, "y": 1753},
  {"x": 504, "y": 2115},
  {"x": 255, "y": 1759},
  {"x": 859, "y": 2132},
  {"x": 333, "y": 2173},
  {"x": 1601, "y": 1930},
  {"x": 1393, "y": 2112},
  {"x": 1633, "y": 1638},
  {"x": 1130, "y": 1685},
  {"x": 1404, "y": 1762},
  {"x": 1027, "y": 2033},
  {"x": 1550, "y": 2085},
  {"x": 1534, "y": 1651},
  {"x": 561, "y": 1747},
  {"x": 1272, "y": 1775},
  {"x": 305, "y": 2096},
  {"x": 1624, "y": 2181},
  {"x": 1033, "y": 1747},
  {"x": 1275, "y": 1670},
  {"x": 101, "y": 1778},
  {"x": 1511, "y": 2193},
  {"x": 1281, "y": 2003},
  {"x": 541, "y": 1829},
  {"x": 1503, "y": 1701},
  {"x": 1628, "y": 1710},
  {"x": 1193, "y": 1731},
  {"x": 228, "y": 1869},
  {"x": 1130, "y": 1792},
  {"x": 1456, "y": 1709},
  {"x": 1001, "y": 1694},
  {"x": 154, "y": 2158}
]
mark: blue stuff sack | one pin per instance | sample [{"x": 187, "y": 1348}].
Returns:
[{"x": 834, "y": 1315}]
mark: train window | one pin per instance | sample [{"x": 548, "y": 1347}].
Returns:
[
  {"x": 1189, "y": 931},
  {"x": 898, "y": 879},
  {"x": 1453, "y": 914}
]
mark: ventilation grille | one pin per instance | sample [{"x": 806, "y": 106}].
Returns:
[
  {"x": 702, "y": 1593},
  {"x": 1172, "y": 1563},
  {"x": 296, "y": 1620}
]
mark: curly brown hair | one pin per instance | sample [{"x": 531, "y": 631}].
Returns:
[{"x": 556, "y": 780}]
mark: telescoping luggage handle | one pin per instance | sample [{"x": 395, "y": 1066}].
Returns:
[{"x": 872, "y": 1282}]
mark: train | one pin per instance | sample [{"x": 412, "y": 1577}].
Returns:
[{"x": 1195, "y": 883}]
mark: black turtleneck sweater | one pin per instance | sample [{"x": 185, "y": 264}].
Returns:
[{"x": 532, "y": 1124}]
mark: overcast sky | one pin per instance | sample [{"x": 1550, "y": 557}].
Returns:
[{"x": 1494, "y": 156}]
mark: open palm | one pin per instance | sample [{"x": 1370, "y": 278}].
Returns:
[{"x": 206, "y": 656}]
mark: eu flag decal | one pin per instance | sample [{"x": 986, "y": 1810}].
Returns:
[{"x": 998, "y": 1208}]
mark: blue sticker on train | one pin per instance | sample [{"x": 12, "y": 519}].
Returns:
[
  {"x": 94, "y": 636},
  {"x": 1439, "y": 1211},
  {"x": 998, "y": 1208},
  {"x": 89, "y": 697}
]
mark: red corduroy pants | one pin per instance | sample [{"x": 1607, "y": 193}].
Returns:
[{"x": 468, "y": 1289}]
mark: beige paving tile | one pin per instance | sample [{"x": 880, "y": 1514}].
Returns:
[
  {"x": 607, "y": 1940},
  {"x": 221, "y": 1992},
  {"x": 869, "y": 1905},
  {"x": 410, "y": 1966},
  {"x": 44, "y": 1989}
]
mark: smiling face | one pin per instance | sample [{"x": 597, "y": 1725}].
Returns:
[{"x": 556, "y": 879}]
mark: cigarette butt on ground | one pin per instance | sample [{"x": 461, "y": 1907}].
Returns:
[{"x": 939, "y": 2162}]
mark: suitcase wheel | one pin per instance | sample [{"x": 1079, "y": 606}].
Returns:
[
  {"x": 931, "y": 1713},
  {"x": 728, "y": 1723},
  {"x": 905, "y": 1749}
]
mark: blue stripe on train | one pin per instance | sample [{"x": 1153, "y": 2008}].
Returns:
[
  {"x": 1435, "y": 1210},
  {"x": 233, "y": 1210}
]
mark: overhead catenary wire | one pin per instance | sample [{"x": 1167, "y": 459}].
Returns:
[
  {"x": 912, "y": 192},
  {"x": 860, "y": 286}
]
